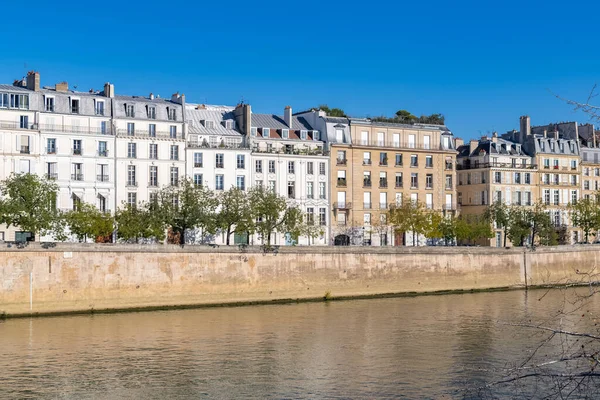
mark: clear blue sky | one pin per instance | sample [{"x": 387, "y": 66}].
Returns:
[{"x": 480, "y": 65}]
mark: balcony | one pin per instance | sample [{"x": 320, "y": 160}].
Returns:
[
  {"x": 153, "y": 183},
  {"x": 131, "y": 184},
  {"x": 448, "y": 167},
  {"x": 76, "y": 152},
  {"x": 102, "y": 153},
  {"x": 460, "y": 167},
  {"x": 341, "y": 182},
  {"x": 102, "y": 178},
  {"x": 174, "y": 182},
  {"x": 50, "y": 150},
  {"x": 147, "y": 134},
  {"x": 341, "y": 161},
  {"x": 307, "y": 151},
  {"x": 383, "y": 184},
  {"x": 414, "y": 165},
  {"x": 91, "y": 130},
  {"x": 383, "y": 163},
  {"x": 76, "y": 177},
  {"x": 366, "y": 206},
  {"x": 17, "y": 125},
  {"x": 450, "y": 207},
  {"x": 52, "y": 176},
  {"x": 367, "y": 183},
  {"x": 399, "y": 145},
  {"x": 219, "y": 165},
  {"x": 342, "y": 205},
  {"x": 398, "y": 185},
  {"x": 25, "y": 150},
  {"x": 383, "y": 206},
  {"x": 366, "y": 162},
  {"x": 199, "y": 165}
]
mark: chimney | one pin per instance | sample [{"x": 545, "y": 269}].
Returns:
[
  {"x": 33, "y": 81},
  {"x": 61, "y": 87},
  {"x": 495, "y": 137},
  {"x": 525, "y": 128},
  {"x": 556, "y": 135},
  {"x": 151, "y": 96},
  {"x": 175, "y": 98},
  {"x": 287, "y": 116},
  {"x": 109, "y": 90},
  {"x": 473, "y": 145},
  {"x": 545, "y": 133},
  {"x": 458, "y": 142},
  {"x": 243, "y": 118}
]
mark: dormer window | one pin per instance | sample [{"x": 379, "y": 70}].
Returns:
[
  {"x": 171, "y": 114},
  {"x": 316, "y": 135},
  {"x": 229, "y": 124},
  {"x": 562, "y": 147},
  {"x": 49, "y": 102},
  {"x": 129, "y": 111},
  {"x": 253, "y": 131},
  {"x": 99, "y": 107},
  {"x": 285, "y": 133},
  {"x": 266, "y": 132},
  {"x": 209, "y": 124},
  {"x": 151, "y": 112},
  {"x": 303, "y": 134}
]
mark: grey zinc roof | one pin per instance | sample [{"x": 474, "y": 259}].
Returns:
[
  {"x": 11, "y": 88},
  {"x": 276, "y": 122},
  {"x": 218, "y": 114},
  {"x": 337, "y": 120}
]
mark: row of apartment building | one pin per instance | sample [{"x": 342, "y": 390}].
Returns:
[{"x": 345, "y": 173}]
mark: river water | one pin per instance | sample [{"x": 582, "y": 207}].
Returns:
[{"x": 420, "y": 347}]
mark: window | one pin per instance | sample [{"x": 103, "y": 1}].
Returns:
[
  {"x": 380, "y": 138},
  {"x": 49, "y": 104},
  {"x": 266, "y": 132},
  {"x": 398, "y": 160},
  {"x": 131, "y": 181},
  {"x": 151, "y": 112},
  {"x": 341, "y": 157},
  {"x": 241, "y": 161},
  {"x": 77, "y": 147},
  {"x": 258, "y": 166},
  {"x": 414, "y": 180},
  {"x": 322, "y": 216},
  {"x": 341, "y": 178},
  {"x": 240, "y": 182},
  {"x": 398, "y": 179},
  {"x": 546, "y": 163},
  {"x": 219, "y": 182},
  {"x": 310, "y": 168},
  {"x": 253, "y": 131},
  {"x": 364, "y": 138},
  {"x": 339, "y": 135},
  {"x": 383, "y": 160},
  {"x": 428, "y": 161},
  {"x": 230, "y": 124},
  {"x": 132, "y": 199},
  {"x": 171, "y": 114},
  {"x": 429, "y": 181},
  {"x": 152, "y": 130},
  {"x": 367, "y": 179},
  {"x": 131, "y": 150},
  {"x": 197, "y": 160},
  {"x": 24, "y": 122},
  {"x": 209, "y": 124},
  {"x": 291, "y": 167},
  {"x": 573, "y": 180},
  {"x": 556, "y": 197},
  {"x": 574, "y": 197},
  {"x": 174, "y": 152},
  {"x": 367, "y": 218},
  {"x": 291, "y": 190},
  {"x": 271, "y": 186},
  {"x": 411, "y": 141},
  {"x": 316, "y": 135},
  {"x": 527, "y": 198},
  {"x": 52, "y": 170},
  {"x": 103, "y": 127},
  {"x": 497, "y": 177},
  {"x": 51, "y": 146},
  {"x": 322, "y": 168},
  {"x": 173, "y": 132},
  {"x": 527, "y": 178},
  {"x": 174, "y": 176},
  {"x": 448, "y": 182},
  {"x": 322, "y": 194},
  {"x": 153, "y": 151},
  {"x": 573, "y": 164},
  {"x": 102, "y": 203},
  {"x": 586, "y": 185},
  {"x": 129, "y": 111},
  {"x": 427, "y": 142},
  {"x": 99, "y": 107},
  {"x": 219, "y": 160},
  {"x": 154, "y": 176},
  {"x": 4, "y": 100},
  {"x": 20, "y": 101},
  {"x": 74, "y": 106},
  {"x": 517, "y": 177},
  {"x": 310, "y": 216},
  {"x": 271, "y": 166},
  {"x": 285, "y": 133},
  {"x": 414, "y": 160},
  {"x": 383, "y": 179},
  {"x": 258, "y": 183},
  {"x": 367, "y": 158},
  {"x": 310, "y": 190}
]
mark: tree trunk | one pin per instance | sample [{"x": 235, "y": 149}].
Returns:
[
  {"x": 228, "y": 234},
  {"x": 414, "y": 239},
  {"x": 504, "y": 237}
]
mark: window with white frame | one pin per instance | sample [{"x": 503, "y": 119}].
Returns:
[
  {"x": 198, "y": 162},
  {"x": 174, "y": 176},
  {"x": 129, "y": 111},
  {"x": 271, "y": 166},
  {"x": 99, "y": 107},
  {"x": 197, "y": 180},
  {"x": 310, "y": 168},
  {"x": 240, "y": 182},
  {"x": 131, "y": 176},
  {"x": 285, "y": 133},
  {"x": 310, "y": 190},
  {"x": 303, "y": 134},
  {"x": 316, "y": 135},
  {"x": 152, "y": 130},
  {"x": 173, "y": 132},
  {"x": 322, "y": 216},
  {"x": 266, "y": 132},
  {"x": 271, "y": 186},
  {"x": 241, "y": 161},
  {"x": 219, "y": 182},
  {"x": 291, "y": 167},
  {"x": 49, "y": 104},
  {"x": 130, "y": 129},
  {"x": 132, "y": 199},
  {"x": 322, "y": 192},
  {"x": 322, "y": 168},
  {"x": 174, "y": 152},
  {"x": 153, "y": 151},
  {"x": 253, "y": 131},
  {"x": 258, "y": 166},
  {"x": 131, "y": 150},
  {"x": 151, "y": 112},
  {"x": 219, "y": 160}
]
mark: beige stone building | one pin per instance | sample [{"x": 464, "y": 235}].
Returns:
[{"x": 375, "y": 165}]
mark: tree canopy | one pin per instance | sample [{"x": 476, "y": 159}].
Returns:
[{"x": 332, "y": 112}]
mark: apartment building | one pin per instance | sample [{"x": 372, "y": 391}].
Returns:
[
  {"x": 493, "y": 169},
  {"x": 150, "y": 146},
  {"x": 290, "y": 157},
  {"x": 590, "y": 161},
  {"x": 556, "y": 151},
  {"x": 376, "y": 164}
]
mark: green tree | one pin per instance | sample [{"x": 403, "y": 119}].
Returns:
[
  {"x": 187, "y": 207},
  {"x": 139, "y": 222},
  {"x": 86, "y": 221},
  {"x": 447, "y": 228},
  {"x": 470, "y": 228},
  {"x": 410, "y": 216},
  {"x": 29, "y": 202},
  {"x": 518, "y": 226},
  {"x": 405, "y": 116},
  {"x": 585, "y": 214},
  {"x": 332, "y": 112},
  {"x": 541, "y": 225},
  {"x": 435, "y": 119},
  {"x": 235, "y": 212},
  {"x": 498, "y": 212},
  {"x": 273, "y": 214}
]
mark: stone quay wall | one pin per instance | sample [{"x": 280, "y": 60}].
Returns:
[{"x": 79, "y": 278}]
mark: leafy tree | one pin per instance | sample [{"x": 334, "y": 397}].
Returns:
[
  {"x": 518, "y": 226},
  {"x": 139, "y": 222},
  {"x": 541, "y": 225},
  {"x": 332, "y": 112},
  {"x": 273, "y": 214},
  {"x": 235, "y": 212},
  {"x": 447, "y": 228},
  {"x": 186, "y": 207},
  {"x": 470, "y": 228},
  {"x": 410, "y": 216},
  {"x": 86, "y": 221},
  {"x": 498, "y": 212},
  {"x": 405, "y": 116},
  {"x": 435, "y": 119},
  {"x": 29, "y": 202},
  {"x": 585, "y": 214}
]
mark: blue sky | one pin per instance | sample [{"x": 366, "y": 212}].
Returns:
[{"x": 480, "y": 65}]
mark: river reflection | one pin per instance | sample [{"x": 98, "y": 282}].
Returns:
[{"x": 421, "y": 347}]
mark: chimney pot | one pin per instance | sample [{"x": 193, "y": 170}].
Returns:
[
  {"x": 473, "y": 145},
  {"x": 63, "y": 87},
  {"x": 33, "y": 81},
  {"x": 109, "y": 90},
  {"x": 151, "y": 96}
]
